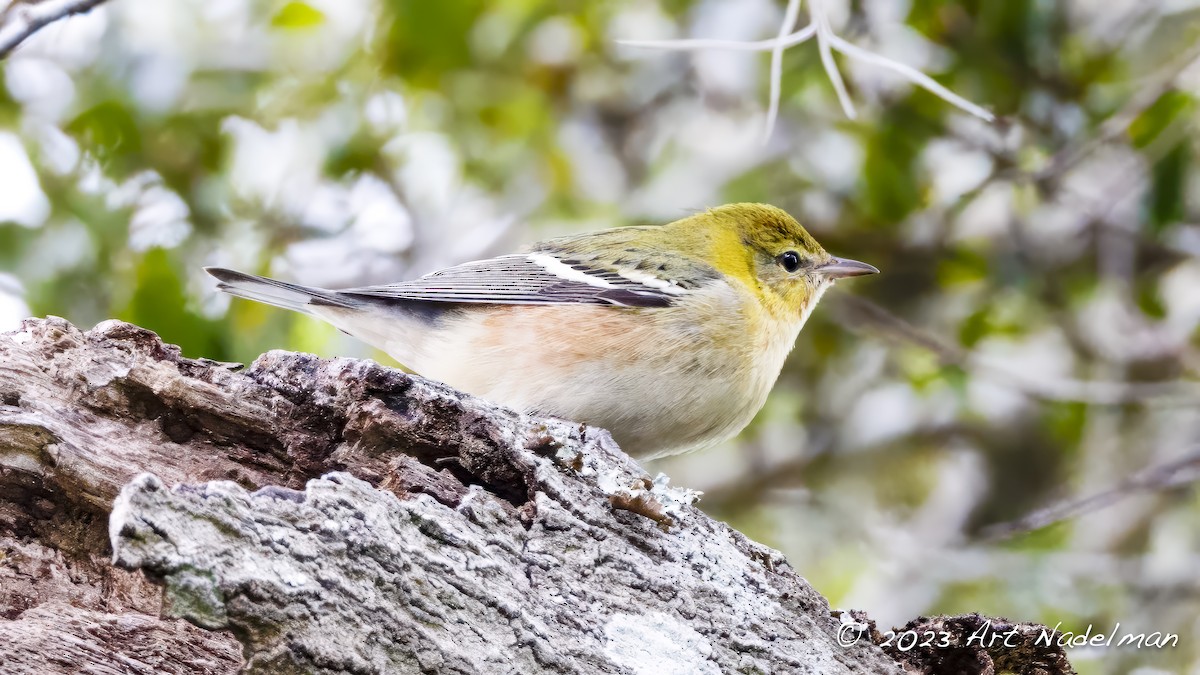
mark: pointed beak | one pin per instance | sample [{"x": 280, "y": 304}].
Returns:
[{"x": 840, "y": 268}]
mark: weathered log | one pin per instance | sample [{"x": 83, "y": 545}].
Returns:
[{"x": 334, "y": 515}]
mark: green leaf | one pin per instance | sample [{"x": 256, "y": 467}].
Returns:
[
  {"x": 1149, "y": 299},
  {"x": 1066, "y": 422},
  {"x": 427, "y": 38},
  {"x": 1168, "y": 187},
  {"x": 975, "y": 327},
  {"x": 1158, "y": 117},
  {"x": 296, "y": 15}
]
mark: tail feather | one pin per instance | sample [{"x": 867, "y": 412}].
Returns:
[{"x": 273, "y": 292}]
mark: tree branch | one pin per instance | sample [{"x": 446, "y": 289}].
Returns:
[
  {"x": 789, "y": 21},
  {"x": 1119, "y": 122},
  {"x": 827, "y": 43},
  {"x": 339, "y": 516},
  {"x": 1183, "y": 471},
  {"x": 20, "y": 20}
]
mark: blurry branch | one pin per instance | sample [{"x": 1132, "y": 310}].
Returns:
[
  {"x": 1166, "y": 476},
  {"x": 1066, "y": 158},
  {"x": 1119, "y": 122},
  {"x": 1118, "y": 242},
  {"x": 21, "y": 19},
  {"x": 827, "y": 43},
  {"x": 1098, "y": 205},
  {"x": 1099, "y": 209},
  {"x": 1072, "y": 154},
  {"x": 816, "y": 457},
  {"x": 1099, "y": 212},
  {"x": 858, "y": 311}
]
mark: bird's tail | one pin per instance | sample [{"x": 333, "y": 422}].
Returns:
[{"x": 279, "y": 293}]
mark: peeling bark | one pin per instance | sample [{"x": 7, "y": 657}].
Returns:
[{"x": 334, "y": 515}]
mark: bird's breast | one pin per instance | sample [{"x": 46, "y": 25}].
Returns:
[{"x": 662, "y": 380}]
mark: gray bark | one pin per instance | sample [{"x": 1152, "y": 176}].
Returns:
[{"x": 339, "y": 516}]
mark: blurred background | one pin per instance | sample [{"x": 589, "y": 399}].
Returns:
[{"x": 1031, "y": 342}]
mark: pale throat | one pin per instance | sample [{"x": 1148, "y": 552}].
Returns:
[
  {"x": 807, "y": 310},
  {"x": 787, "y": 316},
  {"x": 782, "y": 330}
]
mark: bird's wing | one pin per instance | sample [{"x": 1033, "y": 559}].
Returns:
[{"x": 542, "y": 277}]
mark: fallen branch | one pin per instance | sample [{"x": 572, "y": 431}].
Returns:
[{"x": 339, "y": 516}]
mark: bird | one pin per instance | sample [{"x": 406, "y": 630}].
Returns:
[{"x": 668, "y": 336}]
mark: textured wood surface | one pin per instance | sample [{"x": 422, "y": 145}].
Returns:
[{"x": 334, "y": 515}]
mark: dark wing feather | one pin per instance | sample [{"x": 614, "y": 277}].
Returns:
[{"x": 522, "y": 280}]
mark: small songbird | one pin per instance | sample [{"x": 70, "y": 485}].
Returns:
[{"x": 668, "y": 336}]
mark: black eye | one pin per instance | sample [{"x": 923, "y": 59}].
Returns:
[{"x": 790, "y": 261}]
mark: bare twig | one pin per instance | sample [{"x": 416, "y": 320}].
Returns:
[
  {"x": 789, "y": 20},
  {"x": 825, "y": 49},
  {"x": 22, "y": 19},
  {"x": 827, "y": 43},
  {"x": 1070, "y": 155},
  {"x": 912, "y": 74},
  {"x": 1155, "y": 479}
]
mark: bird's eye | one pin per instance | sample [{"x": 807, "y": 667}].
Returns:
[{"x": 790, "y": 261}]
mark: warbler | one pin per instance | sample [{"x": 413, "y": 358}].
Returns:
[{"x": 669, "y": 336}]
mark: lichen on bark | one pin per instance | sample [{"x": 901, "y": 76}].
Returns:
[{"x": 334, "y": 515}]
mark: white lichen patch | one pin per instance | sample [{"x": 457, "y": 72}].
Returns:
[
  {"x": 656, "y": 644},
  {"x": 614, "y": 481},
  {"x": 673, "y": 499}
]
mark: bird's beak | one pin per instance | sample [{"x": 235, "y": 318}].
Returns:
[{"x": 840, "y": 268}]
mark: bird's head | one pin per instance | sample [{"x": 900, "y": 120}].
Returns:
[{"x": 766, "y": 249}]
